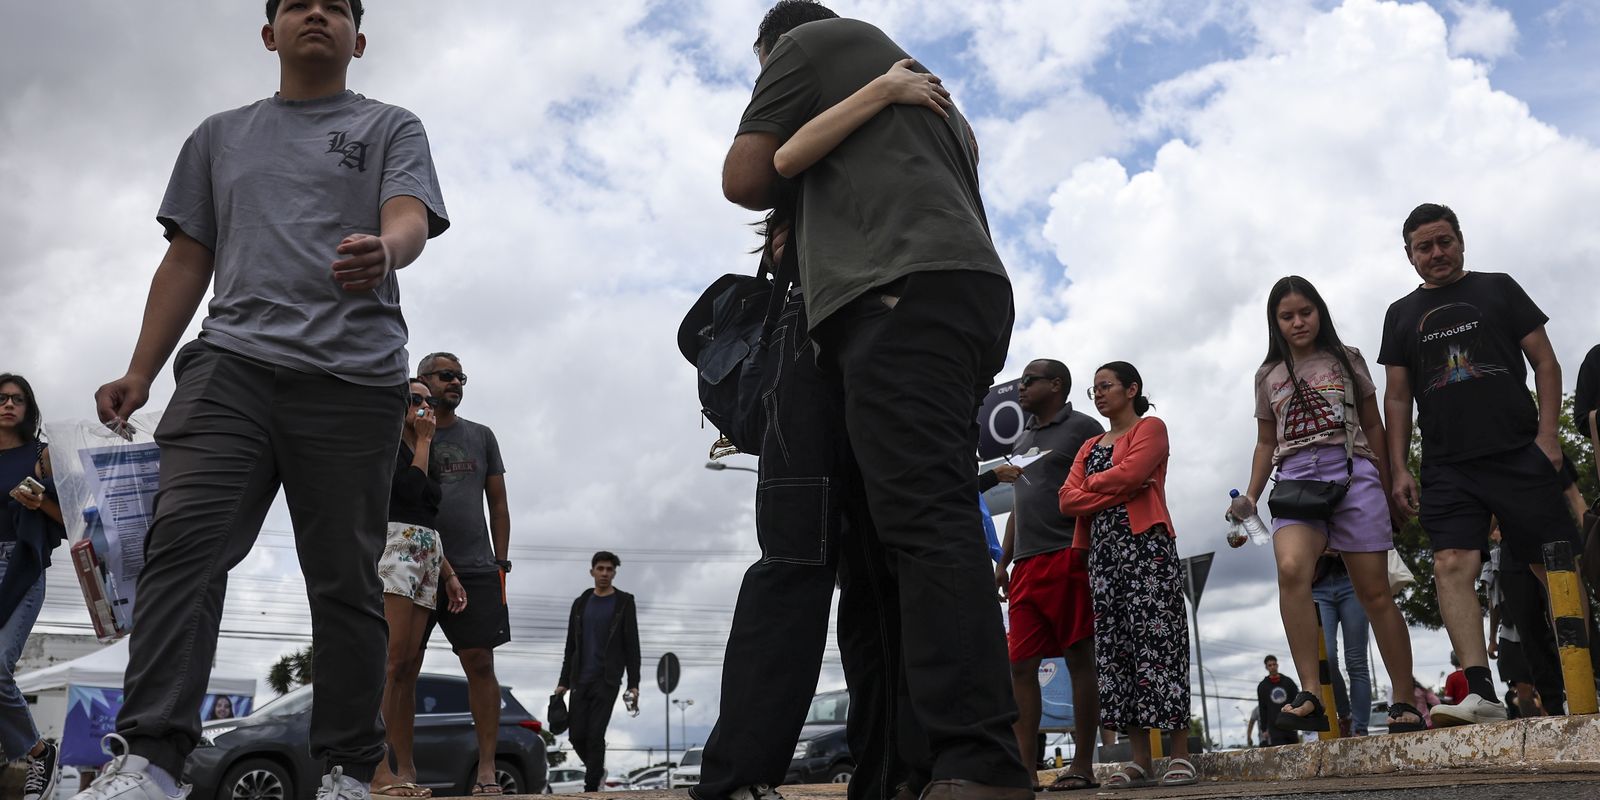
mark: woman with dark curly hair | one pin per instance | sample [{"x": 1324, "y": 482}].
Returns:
[{"x": 30, "y": 527}]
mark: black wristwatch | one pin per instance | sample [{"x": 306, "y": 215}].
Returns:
[{"x": 505, "y": 566}]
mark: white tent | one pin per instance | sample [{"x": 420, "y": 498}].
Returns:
[
  {"x": 104, "y": 668},
  {"x": 47, "y": 688}
]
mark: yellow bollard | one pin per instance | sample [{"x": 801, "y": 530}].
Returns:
[
  {"x": 1572, "y": 635},
  {"x": 1325, "y": 675},
  {"x": 1155, "y": 744}
]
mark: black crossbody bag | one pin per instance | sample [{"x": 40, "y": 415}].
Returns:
[{"x": 1307, "y": 499}]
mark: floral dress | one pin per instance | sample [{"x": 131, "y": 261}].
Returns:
[{"x": 1141, "y": 633}]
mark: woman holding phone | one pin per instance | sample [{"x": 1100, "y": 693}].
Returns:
[
  {"x": 414, "y": 571},
  {"x": 30, "y": 527}
]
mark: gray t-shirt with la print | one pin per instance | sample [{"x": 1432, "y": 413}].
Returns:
[
  {"x": 467, "y": 454},
  {"x": 271, "y": 189}
]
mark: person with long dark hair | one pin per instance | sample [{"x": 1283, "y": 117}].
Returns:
[
  {"x": 30, "y": 527},
  {"x": 1315, "y": 405},
  {"x": 1117, "y": 490},
  {"x": 416, "y": 577}
]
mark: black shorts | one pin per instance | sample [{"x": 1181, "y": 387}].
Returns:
[
  {"x": 1520, "y": 488},
  {"x": 1513, "y": 663},
  {"x": 486, "y": 621}
]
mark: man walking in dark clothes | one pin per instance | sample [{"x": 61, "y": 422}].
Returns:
[
  {"x": 602, "y": 643},
  {"x": 1272, "y": 693},
  {"x": 910, "y": 306}
]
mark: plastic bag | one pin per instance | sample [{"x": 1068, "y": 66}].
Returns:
[{"x": 107, "y": 486}]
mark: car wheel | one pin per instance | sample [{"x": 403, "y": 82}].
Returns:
[
  {"x": 841, "y": 773},
  {"x": 256, "y": 779},
  {"x": 509, "y": 776}
]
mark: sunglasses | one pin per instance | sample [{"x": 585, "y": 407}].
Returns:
[
  {"x": 417, "y": 400},
  {"x": 19, "y": 399},
  {"x": 1029, "y": 380},
  {"x": 448, "y": 375}
]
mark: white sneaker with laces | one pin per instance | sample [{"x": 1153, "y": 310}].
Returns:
[
  {"x": 338, "y": 786},
  {"x": 758, "y": 791},
  {"x": 1472, "y": 710},
  {"x": 127, "y": 777},
  {"x": 42, "y": 772}
]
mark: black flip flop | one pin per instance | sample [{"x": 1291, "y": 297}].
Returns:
[
  {"x": 1317, "y": 720},
  {"x": 1396, "y": 710},
  {"x": 1071, "y": 782}
]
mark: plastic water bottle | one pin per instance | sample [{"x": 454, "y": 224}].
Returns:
[{"x": 1246, "y": 526}]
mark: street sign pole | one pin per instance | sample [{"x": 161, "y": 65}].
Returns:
[
  {"x": 667, "y": 673},
  {"x": 1196, "y": 569}
]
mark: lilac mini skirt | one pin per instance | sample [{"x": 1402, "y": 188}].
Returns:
[{"x": 1361, "y": 523}]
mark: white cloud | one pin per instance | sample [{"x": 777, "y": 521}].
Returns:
[{"x": 1481, "y": 30}]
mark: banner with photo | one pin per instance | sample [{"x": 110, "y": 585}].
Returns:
[{"x": 92, "y": 713}]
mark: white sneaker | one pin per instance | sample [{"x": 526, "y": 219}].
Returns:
[
  {"x": 41, "y": 781},
  {"x": 338, "y": 786},
  {"x": 1470, "y": 711},
  {"x": 758, "y": 791},
  {"x": 127, "y": 777}
]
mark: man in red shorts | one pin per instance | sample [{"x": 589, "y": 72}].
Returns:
[{"x": 1048, "y": 588}]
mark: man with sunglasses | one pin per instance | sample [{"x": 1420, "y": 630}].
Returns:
[
  {"x": 470, "y": 472},
  {"x": 1047, "y": 590}
]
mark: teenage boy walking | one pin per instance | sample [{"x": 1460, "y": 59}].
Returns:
[
  {"x": 1456, "y": 345},
  {"x": 602, "y": 644},
  {"x": 296, "y": 210}
]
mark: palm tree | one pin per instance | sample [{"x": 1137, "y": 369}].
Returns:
[{"x": 293, "y": 669}]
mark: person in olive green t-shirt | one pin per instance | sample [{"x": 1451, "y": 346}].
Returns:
[{"x": 911, "y": 310}]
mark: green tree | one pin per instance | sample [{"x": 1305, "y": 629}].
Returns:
[
  {"x": 293, "y": 669},
  {"x": 551, "y": 753},
  {"x": 1420, "y": 603}
]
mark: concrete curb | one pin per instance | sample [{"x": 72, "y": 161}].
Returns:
[{"x": 1522, "y": 745}]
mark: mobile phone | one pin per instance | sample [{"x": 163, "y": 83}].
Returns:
[{"x": 31, "y": 486}]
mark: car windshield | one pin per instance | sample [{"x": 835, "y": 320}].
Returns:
[
  {"x": 830, "y": 708},
  {"x": 290, "y": 704},
  {"x": 691, "y": 758}
]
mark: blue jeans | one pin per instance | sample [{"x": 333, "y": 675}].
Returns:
[
  {"x": 1336, "y": 601},
  {"x": 18, "y": 734}
]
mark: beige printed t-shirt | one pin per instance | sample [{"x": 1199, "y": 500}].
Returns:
[{"x": 1314, "y": 415}]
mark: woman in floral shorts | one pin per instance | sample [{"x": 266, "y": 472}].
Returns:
[{"x": 412, "y": 569}]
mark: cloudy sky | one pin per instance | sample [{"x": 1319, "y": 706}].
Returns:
[{"x": 1150, "y": 166}]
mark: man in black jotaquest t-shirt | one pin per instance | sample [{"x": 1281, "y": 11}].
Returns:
[
  {"x": 602, "y": 644},
  {"x": 1456, "y": 345}
]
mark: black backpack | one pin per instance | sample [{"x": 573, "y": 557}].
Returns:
[{"x": 724, "y": 336}]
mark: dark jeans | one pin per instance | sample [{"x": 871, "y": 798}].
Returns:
[
  {"x": 911, "y": 375},
  {"x": 780, "y": 622},
  {"x": 1526, "y": 607},
  {"x": 235, "y": 431},
  {"x": 588, "y": 718}
]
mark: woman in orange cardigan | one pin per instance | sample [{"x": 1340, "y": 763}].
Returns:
[{"x": 1117, "y": 490}]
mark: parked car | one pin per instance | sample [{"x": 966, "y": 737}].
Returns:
[
  {"x": 687, "y": 773},
  {"x": 266, "y": 755},
  {"x": 564, "y": 780},
  {"x": 649, "y": 778},
  {"x": 822, "y": 755}
]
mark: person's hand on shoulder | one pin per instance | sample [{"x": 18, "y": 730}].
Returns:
[{"x": 902, "y": 85}]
